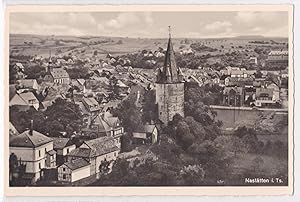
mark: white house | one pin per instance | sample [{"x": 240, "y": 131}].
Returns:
[
  {"x": 35, "y": 150},
  {"x": 96, "y": 151},
  {"x": 74, "y": 170},
  {"x": 148, "y": 135}
]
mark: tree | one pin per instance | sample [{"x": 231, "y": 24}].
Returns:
[
  {"x": 149, "y": 107},
  {"x": 78, "y": 73},
  {"x": 183, "y": 135},
  {"x": 63, "y": 115},
  {"x": 35, "y": 71},
  {"x": 129, "y": 115},
  {"x": 114, "y": 92},
  {"x": 104, "y": 167}
]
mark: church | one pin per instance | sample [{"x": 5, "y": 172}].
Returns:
[{"x": 169, "y": 87}]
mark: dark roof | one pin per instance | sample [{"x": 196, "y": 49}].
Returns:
[
  {"x": 80, "y": 152},
  {"x": 60, "y": 143},
  {"x": 76, "y": 164},
  {"x": 101, "y": 146},
  {"x": 170, "y": 73},
  {"x": 51, "y": 152},
  {"x": 148, "y": 128},
  {"x": 58, "y": 73},
  {"x": 27, "y": 140}
]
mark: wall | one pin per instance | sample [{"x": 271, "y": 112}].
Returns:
[
  {"x": 80, "y": 173},
  {"x": 170, "y": 99},
  {"x": 71, "y": 147},
  {"x": 61, "y": 172},
  {"x": 233, "y": 118}
]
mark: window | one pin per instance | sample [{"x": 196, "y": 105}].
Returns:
[
  {"x": 40, "y": 167},
  {"x": 64, "y": 169},
  {"x": 64, "y": 176},
  {"x": 68, "y": 151},
  {"x": 45, "y": 150},
  {"x": 39, "y": 153}
]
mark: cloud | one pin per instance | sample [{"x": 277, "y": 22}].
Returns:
[
  {"x": 218, "y": 26},
  {"x": 150, "y": 24},
  {"x": 127, "y": 19}
]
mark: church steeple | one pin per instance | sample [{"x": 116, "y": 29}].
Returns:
[{"x": 170, "y": 73}]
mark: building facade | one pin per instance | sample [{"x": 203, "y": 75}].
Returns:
[
  {"x": 35, "y": 150},
  {"x": 169, "y": 88}
]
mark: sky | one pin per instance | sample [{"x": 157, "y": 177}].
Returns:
[{"x": 152, "y": 24}]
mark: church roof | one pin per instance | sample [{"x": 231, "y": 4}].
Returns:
[{"x": 170, "y": 73}]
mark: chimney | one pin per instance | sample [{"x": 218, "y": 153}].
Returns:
[{"x": 31, "y": 127}]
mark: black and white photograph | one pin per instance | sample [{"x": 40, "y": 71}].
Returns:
[{"x": 149, "y": 98}]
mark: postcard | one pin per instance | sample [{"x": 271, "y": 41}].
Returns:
[{"x": 123, "y": 100}]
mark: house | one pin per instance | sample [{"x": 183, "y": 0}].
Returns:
[
  {"x": 253, "y": 60},
  {"x": 19, "y": 71},
  {"x": 80, "y": 84},
  {"x": 278, "y": 58},
  {"x": 264, "y": 97},
  {"x": 62, "y": 146},
  {"x": 58, "y": 76},
  {"x": 91, "y": 105},
  {"x": 96, "y": 151},
  {"x": 28, "y": 84},
  {"x": 104, "y": 124},
  {"x": 74, "y": 170},
  {"x": 240, "y": 73},
  {"x": 148, "y": 135},
  {"x": 276, "y": 91},
  {"x": 35, "y": 150},
  {"x": 25, "y": 101},
  {"x": 61, "y": 61},
  {"x": 238, "y": 81},
  {"x": 19, "y": 67},
  {"x": 233, "y": 96}
]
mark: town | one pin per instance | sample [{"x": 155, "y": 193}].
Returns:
[{"x": 182, "y": 112}]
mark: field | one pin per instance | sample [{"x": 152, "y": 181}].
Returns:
[{"x": 84, "y": 47}]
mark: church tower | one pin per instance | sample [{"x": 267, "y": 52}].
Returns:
[{"x": 169, "y": 87}]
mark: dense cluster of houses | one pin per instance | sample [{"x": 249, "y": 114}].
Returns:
[{"x": 44, "y": 156}]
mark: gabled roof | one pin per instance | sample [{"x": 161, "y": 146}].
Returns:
[
  {"x": 26, "y": 83},
  {"x": 101, "y": 146},
  {"x": 76, "y": 164},
  {"x": 20, "y": 65},
  {"x": 60, "y": 143},
  {"x": 58, "y": 73},
  {"x": 149, "y": 128},
  {"x": 22, "y": 99},
  {"x": 90, "y": 101},
  {"x": 29, "y": 141},
  {"x": 80, "y": 152}
]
